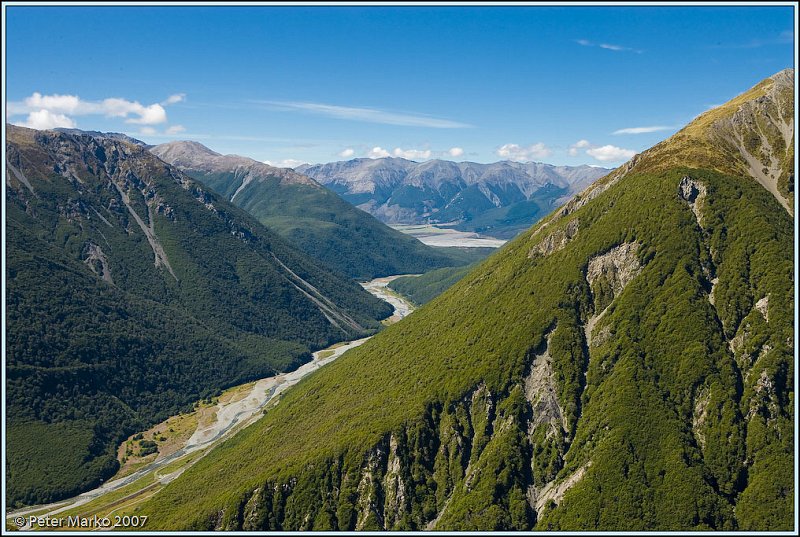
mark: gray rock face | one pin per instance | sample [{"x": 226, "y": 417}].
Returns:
[
  {"x": 611, "y": 272},
  {"x": 399, "y": 191},
  {"x": 106, "y": 135}
]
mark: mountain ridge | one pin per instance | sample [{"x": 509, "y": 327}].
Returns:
[
  {"x": 132, "y": 292},
  {"x": 626, "y": 364}
]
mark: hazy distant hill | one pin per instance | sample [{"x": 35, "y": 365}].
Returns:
[
  {"x": 308, "y": 214},
  {"x": 499, "y": 199},
  {"x": 134, "y": 291},
  {"x": 626, "y": 364}
]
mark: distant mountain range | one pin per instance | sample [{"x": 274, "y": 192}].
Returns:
[
  {"x": 498, "y": 199},
  {"x": 309, "y": 215}
]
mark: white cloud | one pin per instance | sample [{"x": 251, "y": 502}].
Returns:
[
  {"x": 455, "y": 151},
  {"x": 148, "y": 131},
  {"x": 173, "y": 99},
  {"x": 369, "y": 115},
  {"x": 59, "y": 109},
  {"x": 580, "y": 144},
  {"x": 521, "y": 154},
  {"x": 286, "y": 163},
  {"x": 147, "y": 115},
  {"x": 347, "y": 153},
  {"x": 175, "y": 129},
  {"x": 64, "y": 104},
  {"x": 610, "y": 153},
  {"x": 44, "y": 119},
  {"x": 643, "y": 130},
  {"x": 606, "y": 153},
  {"x": 377, "y": 152},
  {"x": 412, "y": 154}
]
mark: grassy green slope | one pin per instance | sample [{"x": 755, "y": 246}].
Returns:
[
  {"x": 424, "y": 288},
  {"x": 328, "y": 228},
  {"x": 451, "y": 377},
  {"x": 626, "y": 365}
]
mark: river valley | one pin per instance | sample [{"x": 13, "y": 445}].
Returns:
[{"x": 228, "y": 417}]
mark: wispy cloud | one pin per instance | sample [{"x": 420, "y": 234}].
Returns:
[
  {"x": 643, "y": 130},
  {"x": 175, "y": 129},
  {"x": 368, "y": 115},
  {"x": 173, "y": 99},
  {"x": 607, "y": 46},
  {"x": 784, "y": 38},
  {"x": 523, "y": 154}
]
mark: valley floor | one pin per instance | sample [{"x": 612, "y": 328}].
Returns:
[
  {"x": 237, "y": 407},
  {"x": 447, "y": 237}
]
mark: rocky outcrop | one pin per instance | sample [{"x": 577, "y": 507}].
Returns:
[
  {"x": 394, "y": 486},
  {"x": 763, "y": 307},
  {"x": 148, "y": 230},
  {"x": 554, "y": 491},
  {"x": 761, "y": 132},
  {"x": 434, "y": 462},
  {"x": 609, "y": 273},
  {"x": 693, "y": 192},
  {"x": 699, "y": 415},
  {"x": 369, "y": 506},
  {"x": 542, "y": 394},
  {"x": 97, "y": 261},
  {"x": 555, "y": 241}
]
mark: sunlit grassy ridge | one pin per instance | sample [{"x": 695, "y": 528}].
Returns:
[
  {"x": 641, "y": 384},
  {"x": 490, "y": 408}
]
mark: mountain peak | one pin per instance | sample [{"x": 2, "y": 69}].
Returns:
[
  {"x": 750, "y": 135},
  {"x": 188, "y": 155},
  {"x": 180, "y": 152}
]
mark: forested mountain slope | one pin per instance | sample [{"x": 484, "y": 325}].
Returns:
[
  {"x": 627, "y": 364},
  {"x": 306, "y": 213},
  {"x": 133, "y": 291},
  {"x": 424, "y": 288}
]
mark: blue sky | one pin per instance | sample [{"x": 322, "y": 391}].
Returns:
[{"x": 564, "y": 85}]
